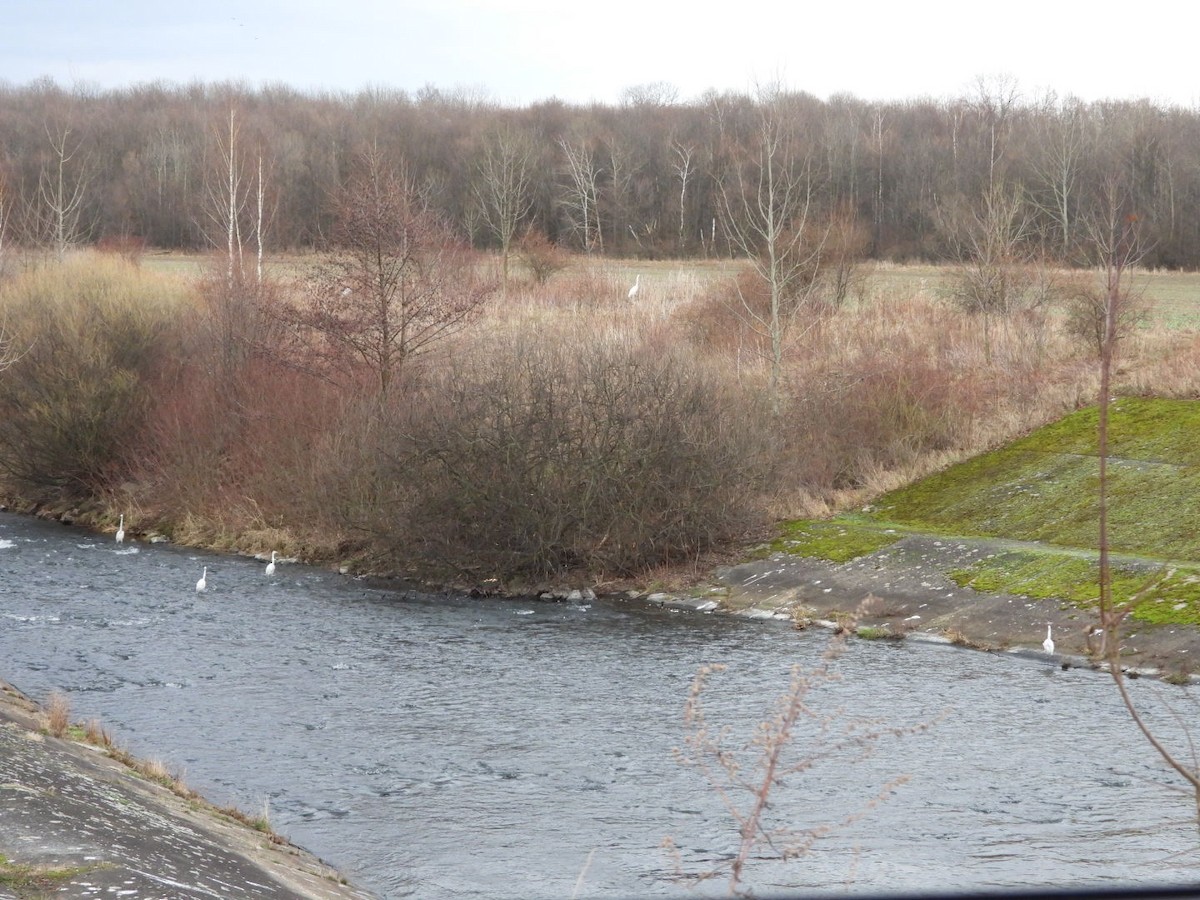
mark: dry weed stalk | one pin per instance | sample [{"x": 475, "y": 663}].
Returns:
[
  {"x": 58, "y": 714},
  {"x": 96, "y": 734},
  {"x": 798, "y": 738}
]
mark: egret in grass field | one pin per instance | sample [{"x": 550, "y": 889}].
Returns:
[{"x": 633, "y": 290}]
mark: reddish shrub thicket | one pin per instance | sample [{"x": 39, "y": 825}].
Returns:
[
  {"x": 590, "y": 435},
  {"x": 129, "y": 247},
  {"x": 542, "y": 257}
]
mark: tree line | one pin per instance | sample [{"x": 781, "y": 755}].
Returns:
[{"x": 187, "y": 166}]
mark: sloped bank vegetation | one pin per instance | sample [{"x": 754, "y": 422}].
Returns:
[
  {"x": 562, "y": 433},
  {"x": 1038, "y": 496}
]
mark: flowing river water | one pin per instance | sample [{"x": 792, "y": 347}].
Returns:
[{"x": 444, "y": 746}]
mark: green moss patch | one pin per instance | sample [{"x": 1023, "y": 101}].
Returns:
[
  {"x": 1160, "y": 594},
  {"x": 35, "y": 881},
  {"x": 1043, "y": 488},
  {"x": 875, "y": 633},
  {"x": 836, "y": 540}
]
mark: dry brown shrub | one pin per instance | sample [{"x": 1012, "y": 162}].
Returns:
[
  {"x": 890, "y": 390},
  {"x": 130, "y": 248},
  {"x": 97, "y": 734},
  {"x": 1085, "y": 306},
  {"x": 90, "y": 335},
  {"x": 230, "y": 449},
  {"x": 542, "y": 257},
  {"x": 1160, "y": 362},
  {"x": 58, "y": 714},
  {"x": 720, "y": 321},
  {"x": 537, "y": 456}
]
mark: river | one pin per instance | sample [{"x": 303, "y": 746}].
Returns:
[{"x": 445, "y": 746}]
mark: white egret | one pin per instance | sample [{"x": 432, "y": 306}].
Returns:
[
  {"x": 633, "y": 290},
  {"x": 1048, "y": 643},
  {"x": 121, "y": 530},
  {"x": 271, "y": 565},
  {"x": 202, "y": 584}
]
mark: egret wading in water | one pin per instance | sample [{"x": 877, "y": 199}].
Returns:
[
  {"x": 633, "y": 290},
  {"x": 202, "y": 584},
  {"x": 121, "y": 530},
  {"x": 271, "y": 565},
  {"x": 1048, "y": 643}
]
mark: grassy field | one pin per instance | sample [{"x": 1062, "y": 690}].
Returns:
[{"x": 1174, "y": 296}]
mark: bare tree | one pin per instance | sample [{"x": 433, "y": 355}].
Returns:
[
  {"x": 1062, "y": 144},
  {"x": 582, "y": 194},
  {"x": 261, "y": 217},
  {"x": 879, "y": 133},
  {"x": 397, "y": 280},
  {"x": 226, "y": 198},
  {"x": 797, "y": 739},
  {"x": 502, "y": 188},
  {"x": 62, "y": 186},
  {"x": 684, "y": 171},
  {"x": 989, "y": 241},
  {"x": 768, "y": 204},
  {"x": 996, "y": 98},
  {"x": 7, "y": 204}
]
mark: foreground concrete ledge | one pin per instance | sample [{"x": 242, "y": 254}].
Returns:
[{"x": 76, "y": 823}]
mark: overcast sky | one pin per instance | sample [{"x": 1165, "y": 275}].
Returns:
[{"x": 520, "y": 51}]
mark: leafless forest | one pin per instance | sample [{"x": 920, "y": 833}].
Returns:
[{"x": 646, "y": 178}]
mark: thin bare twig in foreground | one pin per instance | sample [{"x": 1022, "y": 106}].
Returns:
[{"x": 798, "y": 738}]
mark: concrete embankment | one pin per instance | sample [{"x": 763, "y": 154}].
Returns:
[
  {"x": 912, "y": 595},
  {"x": 75, "y": 822}
]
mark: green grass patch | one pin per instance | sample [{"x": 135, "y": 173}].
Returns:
[
  {"x": 836, "y": 540},
  {"x": 1043, "y": 488},
  {"x": 1160, "y": 594},
  {"x": 875, "y": 633},
  {"x": 36, "y": 881}
]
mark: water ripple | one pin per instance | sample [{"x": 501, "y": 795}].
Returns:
[{"x": 438, "y": 746}]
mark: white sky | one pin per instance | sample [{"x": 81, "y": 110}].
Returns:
[{"x": 520, "y": 51}]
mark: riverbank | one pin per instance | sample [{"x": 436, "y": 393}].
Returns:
[
  {"x": 908, "y": 581},
  {"x": 909, "y": 594},
  {"x": 76, "y": 822}
]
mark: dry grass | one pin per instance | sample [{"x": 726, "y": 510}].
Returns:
[
  {"x": 96, "y": 734},
  {"x": 57, "y": 714}
]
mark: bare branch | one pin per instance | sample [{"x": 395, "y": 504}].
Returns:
[
  {"x": 796, "y": 739},
  {"x": 502, "y": 188}
]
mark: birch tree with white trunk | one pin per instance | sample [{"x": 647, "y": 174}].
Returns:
[
  {"x": 502, "y": 188},
  {"x": 768, "y": 202}
]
